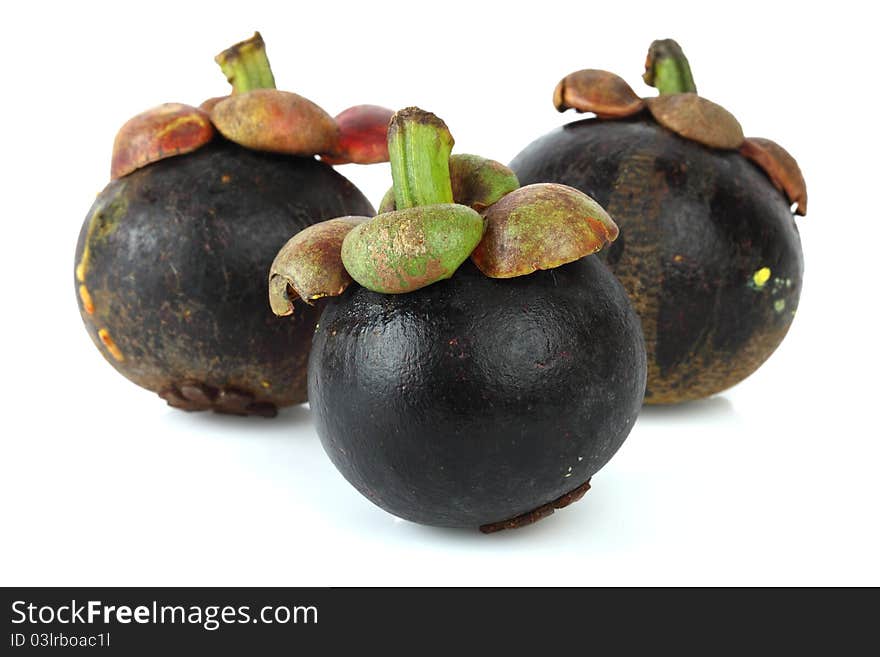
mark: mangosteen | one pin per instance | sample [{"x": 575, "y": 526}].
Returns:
[
  {"x": 172, "y": 255},
  {"x": 482, "y": 393},
  {"x": 708, "y": 250}
]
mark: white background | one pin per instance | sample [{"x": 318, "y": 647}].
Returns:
[{"x": 773, "y": 482}]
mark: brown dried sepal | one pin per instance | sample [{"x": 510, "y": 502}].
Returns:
[
  {"x": 164, "y": 131},
  {"x": 780, "y": 167},
  {"x": 309, "y": 266},
  {"x": 198, "y": 396},
  {"x": 695, "y": 118},
  {"x": 363, "y": 136},
  {"x": 276, "y": 121},
  {"x": 540, "y": 513},
  {"x": 541, "y": 226},
  {"x": 605, "y": 94}
]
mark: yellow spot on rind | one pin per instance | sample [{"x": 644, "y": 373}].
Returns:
[
  {"x": 761, "y": 276},
  {"x": 265, "y": 384},
  {"x": 81, "y": 270},
  {"x": 110, "y": 345},
  {"x": 86, "y": 299}
]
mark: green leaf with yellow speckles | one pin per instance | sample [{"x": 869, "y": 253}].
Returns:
[{"x": 409, "y": 249}]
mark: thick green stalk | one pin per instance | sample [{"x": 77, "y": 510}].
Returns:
[
  {"x": 419, "y": 145},
  {"x": 668, "y": 69},
  {"x": 246, "y": 65}
]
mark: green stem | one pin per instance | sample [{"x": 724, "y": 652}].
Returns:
[
  {"x": 419, "y": 145},
  {"x": 246, "y": 65},
  {"x": 667, "y": 69}
]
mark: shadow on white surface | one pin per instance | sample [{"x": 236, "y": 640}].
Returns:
[
  {"x": 713, "y": 408},
  {"x": 287, "y": 418}
]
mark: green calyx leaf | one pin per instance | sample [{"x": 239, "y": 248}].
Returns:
[{"x": 408, "y": 249}]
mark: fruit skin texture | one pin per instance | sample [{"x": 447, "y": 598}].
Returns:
[
  {"x": 475, "y": 400},
  {"x": 708, "y": 249},
  {"x": 174, "y": 259}
]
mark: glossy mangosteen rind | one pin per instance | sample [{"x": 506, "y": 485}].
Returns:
[
  {"x": 708, "y": 252},
  {"x": 170, "y": 272},
  {"x": 708, "y": 249},
  {"x": 476, "y": 401},
  {"x": 452, "y": 398}
]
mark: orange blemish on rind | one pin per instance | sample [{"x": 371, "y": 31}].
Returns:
[
  {"x": 86, "y": 299},
  {"x": 110, "y": 345}
]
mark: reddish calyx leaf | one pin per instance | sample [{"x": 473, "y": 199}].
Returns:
[
  {"x": 276, "y": 121},
  {"x": 780, "y": 167},
  {"x": 605, "y": 94},
  {"x": 541, "y": 227},
  {"x": 363, "y": 136},
  {"x": 164, "y": 131}
]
